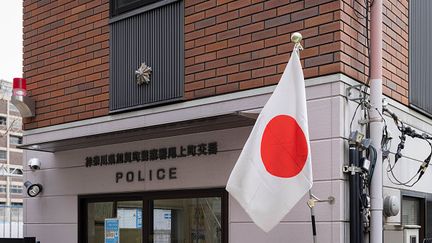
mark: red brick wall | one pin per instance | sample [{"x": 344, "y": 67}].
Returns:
[
  {"x": 395, "y": 45},
  {"x": 66, "y": 59},
  {"x": 230, "y": 45},
  {"x": 243, "y": 44}
]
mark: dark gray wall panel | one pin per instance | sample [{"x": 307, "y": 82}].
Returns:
[
  {"x": 156, "y": 38},
  {"x": 420, "y": 54}
]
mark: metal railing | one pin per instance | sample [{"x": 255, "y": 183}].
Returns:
[{"x": 11, "y": 221}]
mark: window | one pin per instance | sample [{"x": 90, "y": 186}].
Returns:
[
  {"x": 16, "y": 189},
  {"x": 2, "y": 155},
  {"x": 16, "y": 140},
  {"x": 6, "y": 89},
  {"x": 186, "y": 216},
  {"x": 420, "y": 55},
  {"x": 122, "y": 6},
  {"x": 429, "y": 218},
  {"x": 3, "y": 121},
  {"x": 414, "y": 211},
  {"x": 411, "y": 211}
]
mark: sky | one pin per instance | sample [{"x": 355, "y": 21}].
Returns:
[{"x": 10, "y": 39}]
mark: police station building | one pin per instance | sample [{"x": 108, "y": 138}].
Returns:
[{"x": 143, "y": 107}]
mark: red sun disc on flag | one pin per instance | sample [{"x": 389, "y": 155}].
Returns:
[{"x": 284, "y": 149}]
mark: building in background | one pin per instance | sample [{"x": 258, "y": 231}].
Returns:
[
  {"x": 142, "y": 109},
  {"x": 11, "y": 167}
]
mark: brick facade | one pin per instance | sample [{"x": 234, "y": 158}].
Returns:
[
  {"x": 66, "y": 59},
  {"x": 237, "y": 45},
  {"x": 229, "y": 46},
  {"x": 395, "y": 45}
]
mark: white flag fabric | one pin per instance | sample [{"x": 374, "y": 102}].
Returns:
[{"x": 274, "y": 169}]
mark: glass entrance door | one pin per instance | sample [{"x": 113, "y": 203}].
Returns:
[
  {"x": 128, "y": 215},
  {"x": 194, "y": 220},
  {"x": 193, "y": 216}
]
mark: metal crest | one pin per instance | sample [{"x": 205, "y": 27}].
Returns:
[{"x": 143, "y": 74}]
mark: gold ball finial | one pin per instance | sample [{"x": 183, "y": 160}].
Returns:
[{"x": 296, "y": 37}]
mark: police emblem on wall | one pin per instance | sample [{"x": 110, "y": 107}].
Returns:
[{"x": 143, "y": 74}]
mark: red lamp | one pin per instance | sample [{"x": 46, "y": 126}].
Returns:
[
  {"x": 20, "y": 100},
  {"x": 19, "y": 87}
]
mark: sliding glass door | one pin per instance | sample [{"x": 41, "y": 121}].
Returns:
[{"x": 194, "y": 216}]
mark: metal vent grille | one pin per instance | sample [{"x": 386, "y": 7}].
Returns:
[
  {"x": 156, "y": 38},
  {"x": 420, "y": 54}
]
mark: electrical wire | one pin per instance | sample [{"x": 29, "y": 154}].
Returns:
[
  {"x": 354, "y": 115},
  {"x": 373, "y": 158},
  {"x": 368, "y": 5},
  {"x": 405, "y": 131}
]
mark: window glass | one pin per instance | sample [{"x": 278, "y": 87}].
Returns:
[
  {"x": 16, "y": 189},
  {"x": 2, "y": 121},
  {"x": 15, "y": 139},
  {"x": 124, "y": 3},
  {"x": 411, "y": 211},
  {"x": 122, "y": 6},
  {"x": 429, "y": 219},
  {"x": 96, "y": 215},
  {"x": 2, "y": 155},
  {"x": 129, "y": 214},
  {"x": 187, "y": 220},
  {"x": 186, "y": 217}
]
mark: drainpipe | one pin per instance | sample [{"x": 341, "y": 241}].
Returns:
[
  {"x": 376, "y": 230},
  {"x": 356, "y": 226}
]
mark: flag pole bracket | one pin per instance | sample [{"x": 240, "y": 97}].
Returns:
[{"x": 314, "y": 199}]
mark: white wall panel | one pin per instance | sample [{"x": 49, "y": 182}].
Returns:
[
  {"x": 319, "y": 91},
  {"x": 58, "y": 210},
  {"x": 301, "y": 213},
  {"x": 320, "y": 118}
]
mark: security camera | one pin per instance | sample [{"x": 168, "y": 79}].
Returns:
[{"x": 34, "y": 164}]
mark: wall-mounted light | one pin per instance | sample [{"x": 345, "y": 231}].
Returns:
[
  {"x": 19, "y": 87},
  {"x": 33, "y": 189},
  {"x": 20, "y": 100}
]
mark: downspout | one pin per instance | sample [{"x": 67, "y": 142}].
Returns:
[
  {"x": 376, "y": 229},
  {"x": 356, "y": 226}
]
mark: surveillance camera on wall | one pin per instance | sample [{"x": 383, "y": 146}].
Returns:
[{"x": 34, "y": 164}]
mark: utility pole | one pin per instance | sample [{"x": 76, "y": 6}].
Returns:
[{"x": 376, "y": 230}]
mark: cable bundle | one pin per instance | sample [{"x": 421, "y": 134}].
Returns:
[{"x": 405, "y": 131}]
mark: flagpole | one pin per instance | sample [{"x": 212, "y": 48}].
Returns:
[
  {"x": 311, "y": 204},
  {"x": 296, "y": 38}
]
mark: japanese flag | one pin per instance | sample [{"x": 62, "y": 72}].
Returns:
[{"x": 274, "y": 169}]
